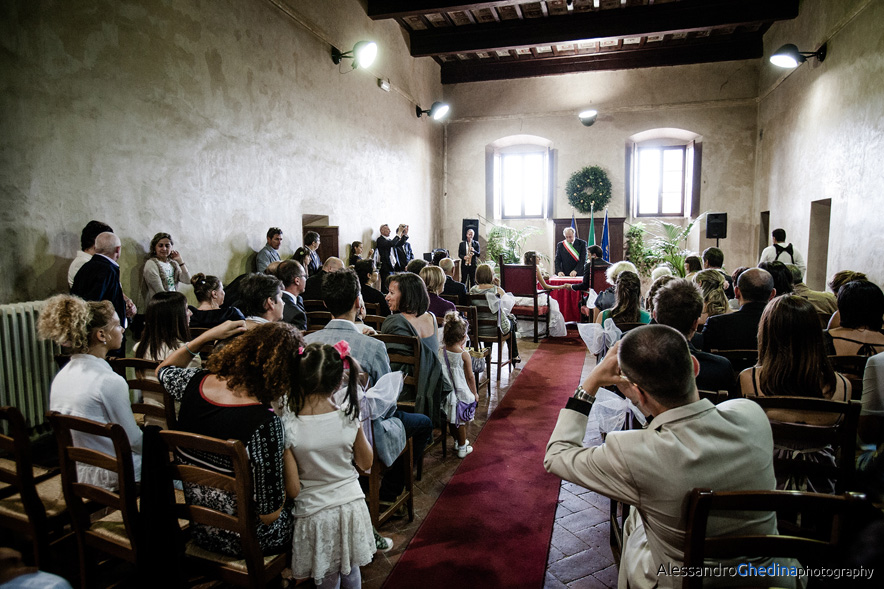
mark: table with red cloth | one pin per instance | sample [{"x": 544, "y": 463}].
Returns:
[{"x": 569, "y": 300}]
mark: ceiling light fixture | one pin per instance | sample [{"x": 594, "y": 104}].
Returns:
[
  {"x": 588, "y": 117},
  {"x": 789, "y": 56},
  {"x": 363, "y": 54},
  {"x": 437, "y": 112}
]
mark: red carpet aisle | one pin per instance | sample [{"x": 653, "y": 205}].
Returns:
[{"x": 492, "y": 524}]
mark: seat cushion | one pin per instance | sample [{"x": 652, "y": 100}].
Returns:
[
  {"x": 523, "y": 310},
  {"x": 232, "y": 562},
  {"x": 50, "y": 494}
]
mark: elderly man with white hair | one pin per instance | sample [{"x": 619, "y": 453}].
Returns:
[{"x": 570, "y": 254}]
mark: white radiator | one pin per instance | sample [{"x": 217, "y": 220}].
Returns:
[{"x": 27, "y": 363}]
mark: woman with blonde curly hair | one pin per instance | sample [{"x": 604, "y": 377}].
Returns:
[
  {"x": 233, "y": 400},
  {"x": 86, "y": 386},
  {"x": 712, "y": 284}
]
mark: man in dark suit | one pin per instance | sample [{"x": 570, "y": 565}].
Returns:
[
  {"x": 388, "y": 256},
  {"x": 452, "y": 286},
  {"x": 99, "y": 280},
  {"x": 468, "y": 251},
  {"x": 679, "y": 305},
  {"x": 570, "y": 255},
  {"x": 311, "y": 243},
  {"x": 294, "y": 280},
  {"x": 739, "y": 331},
  {"x": 313, "y": 287}
]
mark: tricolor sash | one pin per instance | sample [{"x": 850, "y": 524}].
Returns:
[{"x": 569, "y": 247}]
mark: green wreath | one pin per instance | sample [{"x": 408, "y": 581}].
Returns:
[{"x": 589, "y": 188}]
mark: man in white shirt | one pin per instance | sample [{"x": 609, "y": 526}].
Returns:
[
  {"x": 786, "y": 254},
  {"x": 270, "y": 252}
]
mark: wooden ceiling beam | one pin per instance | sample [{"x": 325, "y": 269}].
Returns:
[
  {"x": 745, "y": 46},
  {"x": 383, "y": 9},
  {"x": 685, "y": 16}
]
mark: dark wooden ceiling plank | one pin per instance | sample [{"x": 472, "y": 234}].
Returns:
[
  {"x": 382, "y": 9},
  {"x": 747, "y": 47},
  {"x": 688, "y": 15}
]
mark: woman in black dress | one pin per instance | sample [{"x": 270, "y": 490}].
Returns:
[
  {"x": 367, "y": 274},
  {"x": 210, "y": 293}
]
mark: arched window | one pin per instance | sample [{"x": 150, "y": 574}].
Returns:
[
  {"x": 520, "y": 166},
  {"x": 664, "y": 173}
]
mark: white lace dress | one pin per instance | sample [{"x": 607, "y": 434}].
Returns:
[
  {"x": 332, "y": 525},
  {"x": 460, "y": 389},
  {"x": 557, "y": 326}
]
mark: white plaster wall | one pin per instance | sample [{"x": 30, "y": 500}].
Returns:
[
  {"x": 822, "y": 126},
  {"x": 209, "y": 120},
  {"x": 716, "y": 101}
]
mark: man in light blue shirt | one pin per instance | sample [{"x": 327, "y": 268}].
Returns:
[{"x": 270, "y": 252}]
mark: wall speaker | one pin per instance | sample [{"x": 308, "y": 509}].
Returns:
[
  {"x": 716, "y": 225},
  {"x": 469, "y": 224}
]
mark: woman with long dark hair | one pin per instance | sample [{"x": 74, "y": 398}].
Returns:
[
  {"x": 627, "y": 301},
  {"x": 861, "y": 307}
]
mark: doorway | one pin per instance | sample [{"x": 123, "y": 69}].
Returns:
[
  {"x": 818, "y": 244},
  {"x": 328, "y": 235},
  {"x": 763, "y": 233}
]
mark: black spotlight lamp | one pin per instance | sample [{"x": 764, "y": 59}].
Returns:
[
  {"x": 788, "y": 56},
  {"x": 363, "y": 54},
  {"x": 437, "y": 112},
  {"x": 588, "y": 117}
]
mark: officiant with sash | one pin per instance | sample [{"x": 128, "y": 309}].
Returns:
[
  {"x": 570, "y": 254},
  {"x": 468, "y": 251}
]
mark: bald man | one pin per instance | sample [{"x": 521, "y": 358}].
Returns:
[
  {"x": 570, "y": 254},
  {"x": 99, "y": 279},
  {"x": 313, "y": 288}
]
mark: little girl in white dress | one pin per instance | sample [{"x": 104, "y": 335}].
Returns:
[
  {"x": 333, "y": 534},
  {"x": 457, "y": 370}
]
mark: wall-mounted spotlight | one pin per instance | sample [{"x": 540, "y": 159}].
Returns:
[
  {"x": 437, "y": 112},
  {"x": 588, "y": 117},
  {"x": 363, "y": 54},
  {"x": 789, "y": 56}
]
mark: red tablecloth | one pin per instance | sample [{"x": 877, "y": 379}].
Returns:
[{"x": 569, "y": 300}]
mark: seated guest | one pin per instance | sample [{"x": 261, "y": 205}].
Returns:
[
  {"x": 165, "y": 329},
  {"x": 739, "y": 330},
  {"x": 452, "y": 286},
  {"x": 294, "y": 279},
  {"x": 713, "y": 259},
  {"x": 792, "y": 362},
  {"x": 861, "y": 306},
  {"x": 302, "y": 256},
  {"x": 164, "y": 269},
  {"x": 356, "y": 252},
  {"x": 627, "y": 301},
  {"x": 408, "y": 300},
  {"x": 313, "y": 288},
  {"x": 733, "y": 303},
  {"x": 605, "y": 300},
  {"x": 232, "y": 400},
  {"x": 679, "y": 304},
  {"x": 824, "y": 302},
  {"x": 87, "y": 386},
  {"x": 270, "y": 252},
  {"x": 690, "y": 443},
  {"x": 261, "y": 299},
  {"x": 652, "y": 292},
  {"x": 439, "y": 254},
  {"x": 416, "y": 265},
  {"x": 367, "y": 274},
  {"x": 659, "y": 271},
  {"x": 87, "y": 246},
  {"x": 485, "y": 285},
  {"x": 311, "y": 242},
  {"x": 781, "y": 276},
  {"x": 838, "y": 280},
  {"x": 210, "y": 293},
  {"x": 692, "y": 265},
  {"x": 870, "y": 464},
  {"x": 711, "y": 283},
  {"x": 434, "y": 279}
]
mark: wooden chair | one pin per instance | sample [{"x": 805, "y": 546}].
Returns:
[
  {"x": 157, "y": 405},
  {"x": 488, "y": 324},
  {"x": 253, "y": 569},
  {"x": 451, "y": 298},
  {"x": 375, "y": 475},
  {"x": 830, "y": 524},
  {"x": 740, "y": 359},
  {"x": 715, "y": 396},
  {"x": 314, "y": 305},
  {"x": 115, "y": 534},
  {"x": 318, "y": 319},
  {"x": 841, "y": 437},
  {"x": 521, "y": 281},
  {"x": 31, "y": 500},
  {"x": 472, "y": 316},
  {"x": 625, "y": 326},
  {"x": 374, "y": 321},
  {"x": 853, "y": 368},
  {"x": 372, "y": 308},
  {"x": 824, "y": 319}
]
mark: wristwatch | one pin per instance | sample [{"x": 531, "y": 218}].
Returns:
[{"x": 581, "y": 394}]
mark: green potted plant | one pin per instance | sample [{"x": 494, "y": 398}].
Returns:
[{"x": 507, "y": 242}]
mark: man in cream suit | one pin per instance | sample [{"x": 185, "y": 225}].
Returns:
[{"x": 690, "y": 443}]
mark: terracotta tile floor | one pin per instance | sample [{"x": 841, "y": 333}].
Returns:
[{"x": 579, "y": 555}]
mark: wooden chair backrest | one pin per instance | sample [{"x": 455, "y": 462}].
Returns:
[
  {"x": 19, "y": 472},
  {"x": 849, "y": 366},
  {"x": 836, "y": 521},
  {"x": 318, "y": 319},
  {"x": 841, "y": 436},
  {"x": 715, "y": 396},
  {"x": 480, "y": 303},
  {"x": 740, "y": 359},
  {"x": 519, "y": 279},
  {"x": 404, "y": 349},
  {"x": 76, "y": 493},
  {"x": 372, "y": 308},
  {"x": 374, "y": 321},
  {"x": 625, "y": 326},
  {"x": 314, "y": 305},
  {"x": 451, "y": 298},
  {"x": 164, "y": 413}
]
